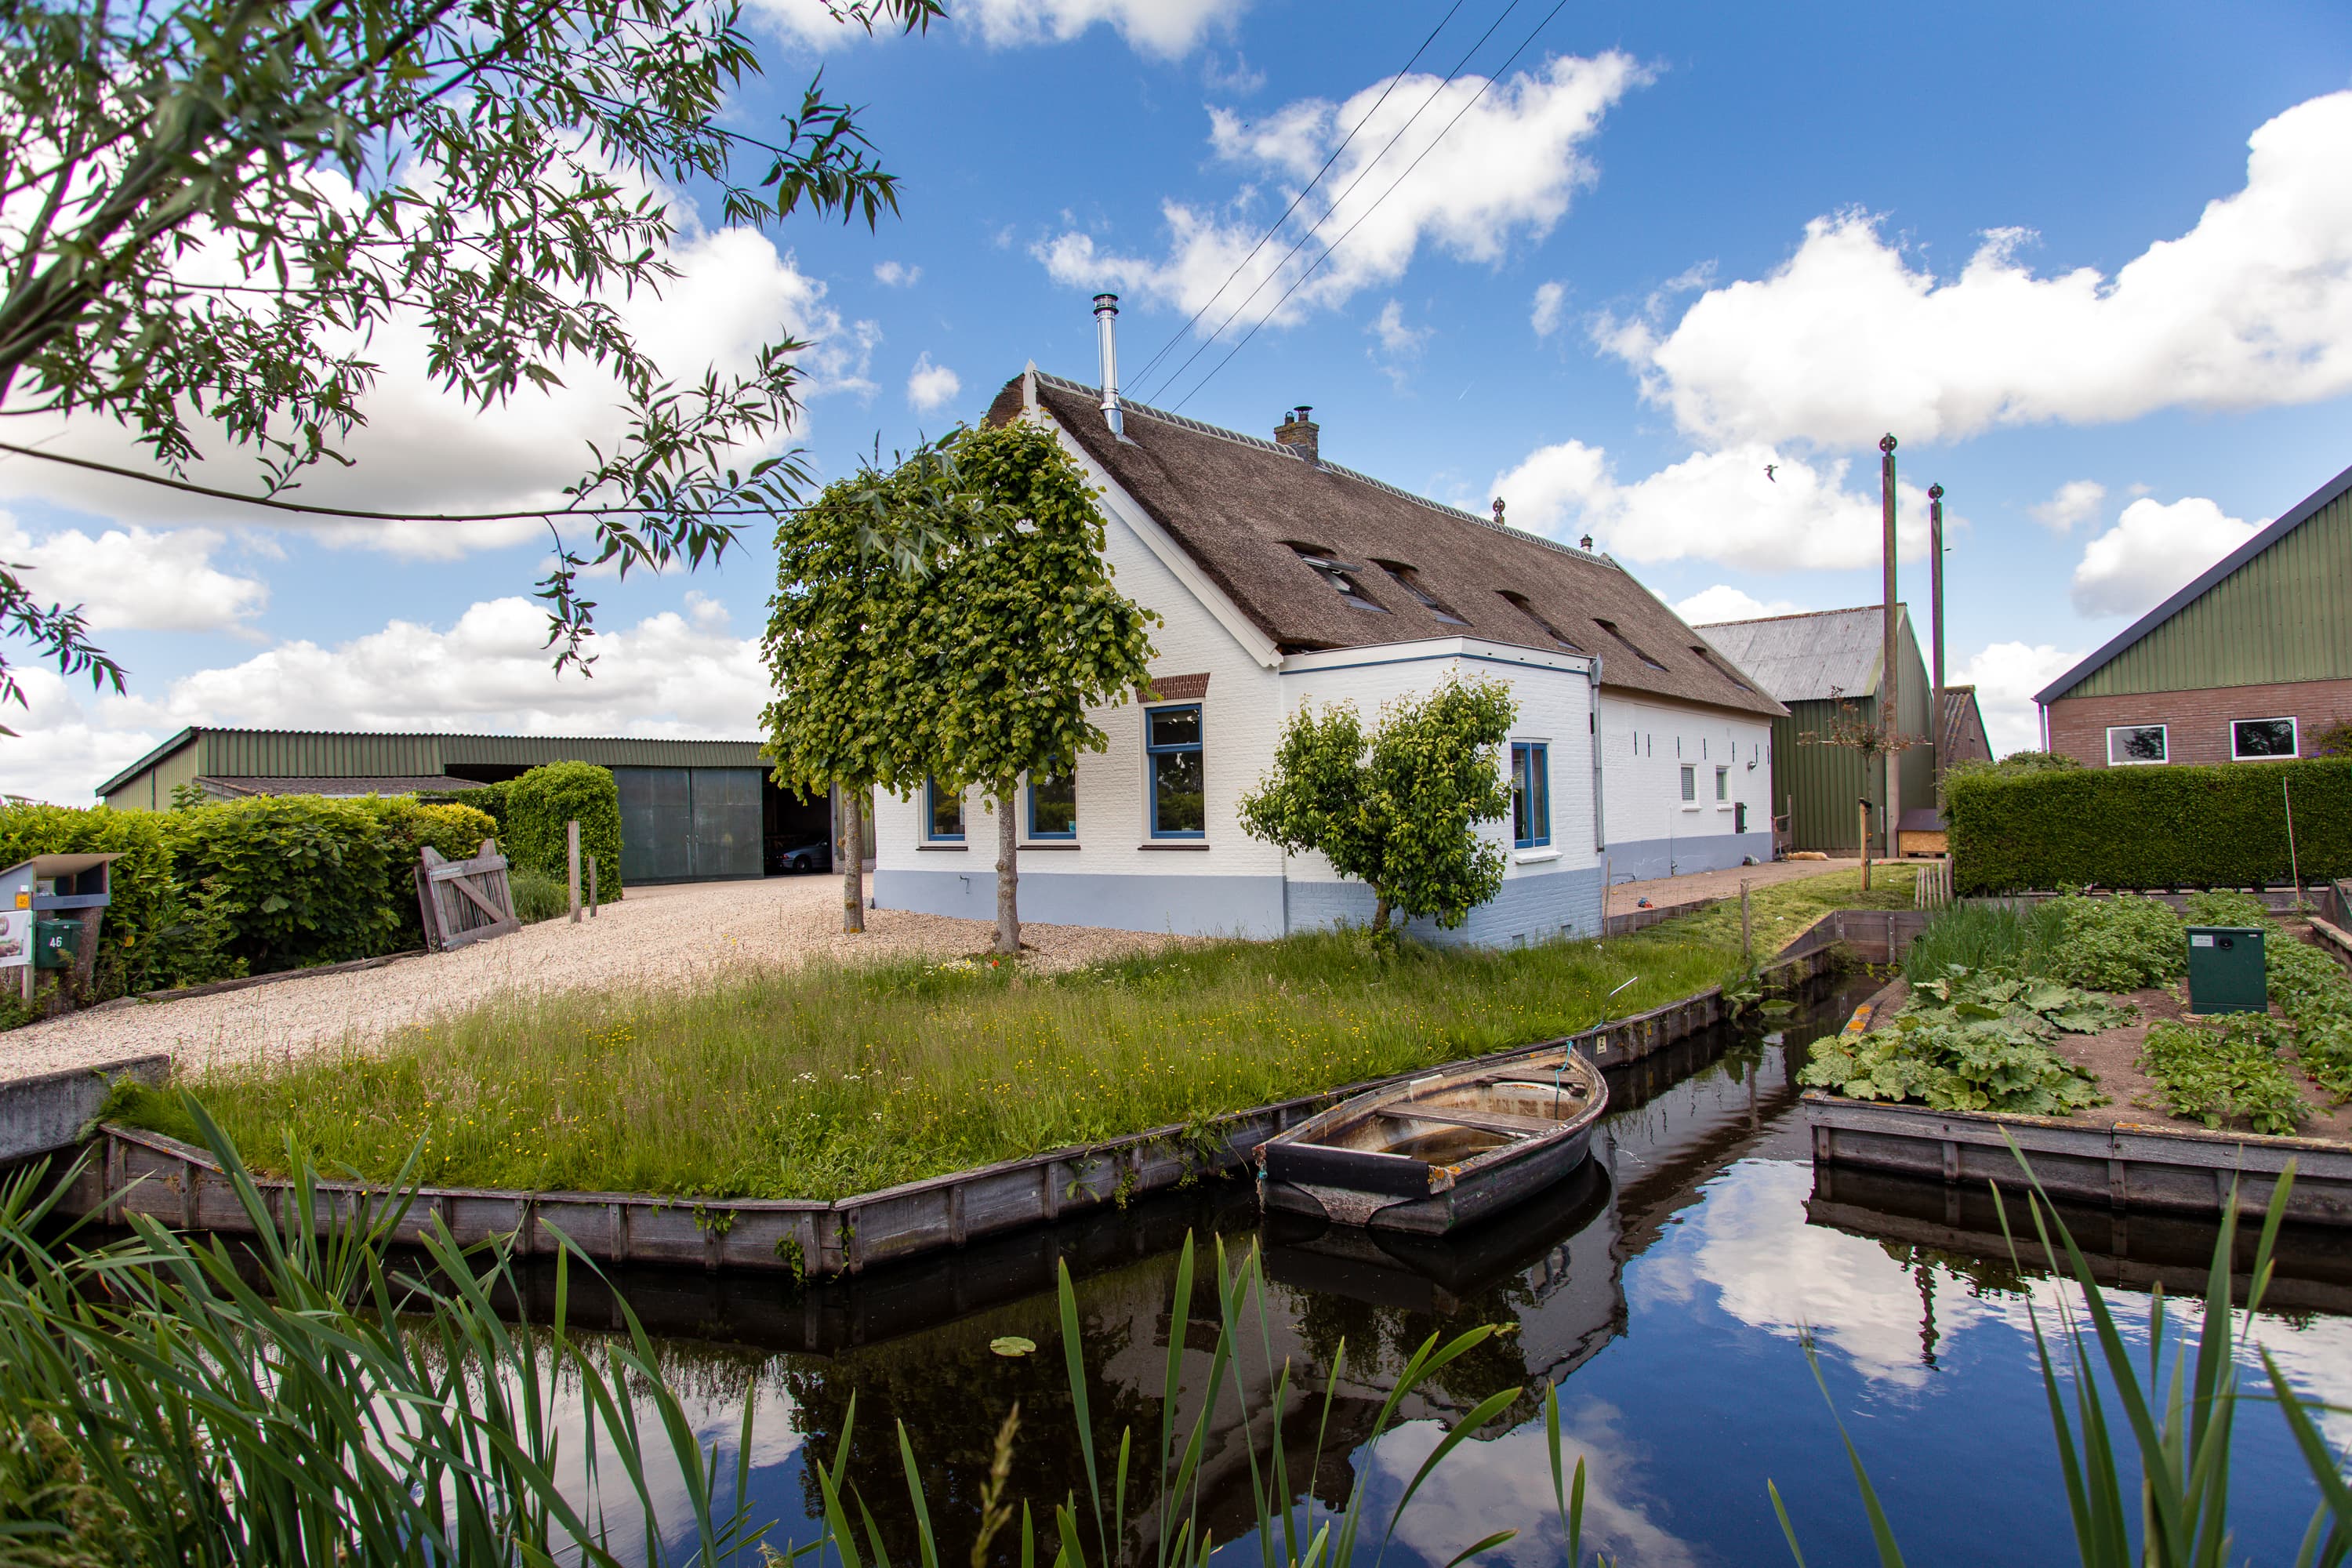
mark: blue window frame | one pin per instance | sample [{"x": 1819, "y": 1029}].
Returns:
[
  {"x": 1530, "y": 795},
  {"x": 942, "y": 814},
  {"x": 1052, "y": 806},
  {"x": 1171, "y": 745}
]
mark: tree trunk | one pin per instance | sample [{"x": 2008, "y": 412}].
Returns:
[
  {"x": 849, "y": 853},
  {"x": 1008, "y": 875},
  {"x": 1381, "y": 915}
]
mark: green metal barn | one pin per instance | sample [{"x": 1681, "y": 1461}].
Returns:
[{"x": 690, "y": 810}]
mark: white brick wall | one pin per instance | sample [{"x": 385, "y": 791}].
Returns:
[{"x": 1645, "y": 742}]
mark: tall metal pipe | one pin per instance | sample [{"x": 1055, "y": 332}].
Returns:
[
  {"x": 1935, "y": 723},
  {"x": 1107, "y": 340},
  {"x": 1890, "y": 703}
]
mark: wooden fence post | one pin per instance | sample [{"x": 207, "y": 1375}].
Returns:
[
  {"x": 591, "y": 886},
  {"x": 572, "y": 864},
  {"x": 1747, "y": 935}
]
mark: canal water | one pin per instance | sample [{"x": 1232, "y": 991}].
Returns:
[{"x": 1667, "y": 1291}]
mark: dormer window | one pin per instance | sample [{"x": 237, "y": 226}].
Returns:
[
  {"x": 1708, "y": 659},
  {"x": 1610, "y": 627},
  {"x": 1410, "y": 581},
  {"x": 1340, "y": 575},
  {"x": 1520, "y": 602}
]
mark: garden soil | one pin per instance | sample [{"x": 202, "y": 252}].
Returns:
[{"x": 680, "y": 935}]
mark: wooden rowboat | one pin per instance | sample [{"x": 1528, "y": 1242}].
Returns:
[{"x": 1441, "y": 1150}]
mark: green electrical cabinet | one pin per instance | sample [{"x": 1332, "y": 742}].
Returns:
[{"x": 2225, "y": 970}]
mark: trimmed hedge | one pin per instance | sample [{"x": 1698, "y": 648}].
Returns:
[
  {"x": 157, "y": 931},
  {"x": 2149, "y": 826},
  {"x": 542, "y": 801}
]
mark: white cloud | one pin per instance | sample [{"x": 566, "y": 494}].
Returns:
[
  {"x": 1235, "y": 81},
  {"x": 2153, "y": 549},
  {"x": 671, "y": 673},
  {"x": 1550, "y": 301},
  {"x": 136, "y": 580},
  {"x": 1508, "y": 171},
  {"x": 1396, "y": 338},
  {"x": 2077, "y": 500},
  {"x": 931, "y": 386},
  {"x": 2006, "y": 676},
  {"x": 897, "y": 274},
  {"x": 1713, "y": 506},
  {"x": 1166, "y": 29},
  {"x": 2252, "y": 307},
  {"x": 1725, "y": 603},
  {"x": 62, "y": 750},
  {"x": 428, "y": 450}
]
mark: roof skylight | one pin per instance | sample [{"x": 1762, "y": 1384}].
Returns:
[
  {"x": 1340, "y": 575},
  {"x": 1410, "y": 581},
  {"x": 1520, "y": 602}
]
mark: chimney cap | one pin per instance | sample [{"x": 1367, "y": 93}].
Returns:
[{"x": 1106, "y": 302}]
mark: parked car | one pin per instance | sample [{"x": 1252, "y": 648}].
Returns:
[{"x": 816, "y": 854}]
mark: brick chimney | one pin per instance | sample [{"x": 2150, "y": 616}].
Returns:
[{"x": 1297, "y": 431}]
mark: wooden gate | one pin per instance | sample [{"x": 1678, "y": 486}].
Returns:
[{"x": 464, "y": 900}]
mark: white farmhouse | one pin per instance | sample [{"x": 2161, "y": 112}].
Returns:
[{"x": 1282, "y": 579}]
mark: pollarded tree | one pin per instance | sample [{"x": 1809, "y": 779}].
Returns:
[
  {"x": 1398, "y": 808},
  {"x": 1029, "y": 630},
  {"x": 851, "y": 647},
  {"x": 209, "y": 208}
]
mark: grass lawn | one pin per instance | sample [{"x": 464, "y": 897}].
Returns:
[
  {"x": 1781, "y": 912},
  {"x": 822, "y": 1082}
]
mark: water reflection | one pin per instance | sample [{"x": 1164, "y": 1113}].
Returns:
[{"x": 1661, "y": 1290}]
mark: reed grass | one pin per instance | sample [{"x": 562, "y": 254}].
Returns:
[
  {"x": 1982, "y": 936},
  {"x": 825, "y": 1081}
]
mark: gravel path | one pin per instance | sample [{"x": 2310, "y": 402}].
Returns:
[
  {"x": 680, "y": 935},
  {"x": 1662, "y": 892}
]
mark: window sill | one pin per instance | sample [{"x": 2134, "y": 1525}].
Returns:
[
  {"x": 1723, "y": 806},
  {"x": 1692, "y": 806},
  {"x": 1173, "y": 844},
  {"x": 1529, "y": 856},
  {"x": 1047, "y": 844},
  {"x": 955, "y": 847}
]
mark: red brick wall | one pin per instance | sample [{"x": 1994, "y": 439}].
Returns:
[{"x": 2198, "y": 721}]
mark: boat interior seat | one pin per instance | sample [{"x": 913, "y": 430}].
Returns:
[{"x": 1499, "y": 1122}]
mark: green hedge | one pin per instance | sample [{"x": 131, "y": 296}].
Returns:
[
  {"x": 542, "y": 801},
  {"x": 2149, "y": 826},
  {"x": 157, "y": 932}
]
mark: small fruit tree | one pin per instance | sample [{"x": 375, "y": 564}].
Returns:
[{"x": 1399, "y": 807}]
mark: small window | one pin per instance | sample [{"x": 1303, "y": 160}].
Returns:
[
  {"x": 1723, "y": 783},
  {"x": 1520, "y": 602},
  {"x": 1179, "y": 788},
  {"x": 1610, "y": 627},
  {"x": 1690, "y": 782},
  {"x": 1340, "y": 575},
  {"x": 1530, "y": 795},
  {"x": 1052, "y": 806},
  {"x": 2254, "y": 737},
  {"x": 2131, "y": 744},
  {"x": 942, "y": 813},
  {"x": 1410, "y": 581}
]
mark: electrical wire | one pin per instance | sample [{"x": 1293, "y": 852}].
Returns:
[
  {"x": 1275, "y": 226},
  {"x": 1384, "y": 196},
  {"x": 1337, "y": 202}
]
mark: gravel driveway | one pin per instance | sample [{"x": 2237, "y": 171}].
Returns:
[{"x": 678, "y": 935}]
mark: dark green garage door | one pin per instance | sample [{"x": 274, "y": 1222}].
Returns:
[{"x": 686, "y": 824}]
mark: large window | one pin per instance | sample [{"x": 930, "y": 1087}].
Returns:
[
  {"x": 1052, "y": 806},
  {"x": 942, "y": 814},
  {"x": 1530, "y": 795},
  {"x": 1179, "y": 789},
  {"x": 2131, "y": 744},
  {"x": 2253, "y": 738},
  {"x": 1690, "y": 783}
]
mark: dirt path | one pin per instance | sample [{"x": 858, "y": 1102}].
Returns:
[
  {"x": 1665, "y": 891},
  {"x": 678, "y": 935}
]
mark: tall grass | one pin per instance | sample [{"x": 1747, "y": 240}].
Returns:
[
  {"x": 825, "y": 1081},
  {"x": 1986, "y": 936}
]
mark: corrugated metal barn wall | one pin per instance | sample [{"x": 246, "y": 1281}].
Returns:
[
  {"x": 1917, "y": 770},
  {"x": 2279, "y": 617},
  {"x": 288, "y": 754},
  {"x": 1826, "y": 780}
]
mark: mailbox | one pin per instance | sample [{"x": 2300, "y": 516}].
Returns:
[
  {"x": 49, "y": 909},
  {"x": 2225, "y": 970}
]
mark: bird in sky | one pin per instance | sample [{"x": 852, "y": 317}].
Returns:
[{"x": 1768, "y": 472}]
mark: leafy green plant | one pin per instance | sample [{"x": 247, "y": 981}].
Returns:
[
  {"x": 2310, "y": 988},
  {"x": 543, "y": 801},
  {"x": 2015, "y": 939},
  {"x": 2149, "y": 828},
  {"x": 1399, "y": 807},
  {"x": 2229, "y": 1068},
  {"x": 2181, "y": 1414},
  {"x": 2119, "y": 943},
  {"x": 537, "y": 895},
  {"x": 1972, "y": 1041}
]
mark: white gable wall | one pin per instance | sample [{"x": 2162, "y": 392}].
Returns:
[{"x": 1652, "y": 831}]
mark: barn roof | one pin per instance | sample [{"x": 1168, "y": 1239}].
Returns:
[{"x": 1807, "y": 658}]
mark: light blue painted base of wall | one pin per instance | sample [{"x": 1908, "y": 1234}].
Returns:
[
  {"x": 1182, "y": 906},
  {"x": 1527, "y": 910},
  {"x": 1642, "y": 859}
]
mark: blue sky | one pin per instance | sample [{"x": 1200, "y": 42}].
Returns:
[{"x": 2093, "y": 268}]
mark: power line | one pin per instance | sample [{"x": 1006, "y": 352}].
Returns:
[
  {"x": 1337, "y": 202},
  {"x": 1275, "y": 226},
  {"x": 1369, "y": 210}
]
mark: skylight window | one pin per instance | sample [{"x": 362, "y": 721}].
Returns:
[
  {"x": 1410, "y": 581},
  {"x": 1610, "y": 627},
  {"x": 1520, "y": 602},
  {"x": 1725, "y": 670},
  {"x": 1340, "y": 575}
]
